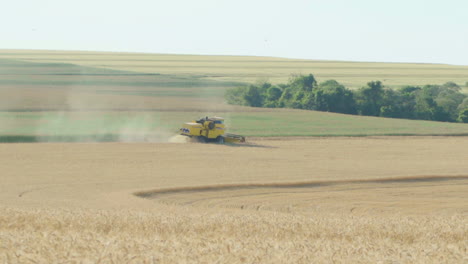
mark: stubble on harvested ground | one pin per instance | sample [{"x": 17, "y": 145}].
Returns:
[{"x": 76, "y": 202}]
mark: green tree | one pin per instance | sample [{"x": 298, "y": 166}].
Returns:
[
  {"x": 392, "y": 104},
  {"x": 448, "y": 98},
  {"x": 426, "y": 107},
  {"x": 449, "y": 103},
  {"x": 274, "y": 93},
  {"x": 303, "y": 82},
  {"x": 399, "y": 103},
  {"x": 308, "y": 101},
  {"x": 389, "y": 111},
  {"x": 369, "y": 99},
  {"x": 409, "y": 90},
  {"x": 441, "y": 115},
  {"x": 299, "y": 92},
  {"x": 331, "y": 96},
  {"x": 286, "y": 98},
  {"x": 463, "y": 116},
  {"x": 297, "y": 99},
  {"x": 253, "y": 97},
  {"x": 431, "y": 102},
  {"x": 235, "y": 96},
  {"x": 463, "y": 104},
  {"x": 451, "y": 86},
  {"x": 263, "y": 87}
]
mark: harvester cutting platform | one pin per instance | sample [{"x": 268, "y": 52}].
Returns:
[{"x": 209, "y": 129}]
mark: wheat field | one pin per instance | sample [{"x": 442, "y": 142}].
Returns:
[
  {"x": 276, "y": 200},
  {"x": 252, "y": 69},
  {"x": 161, "y": 199}
]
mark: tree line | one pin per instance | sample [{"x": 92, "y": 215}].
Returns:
[{"x": 429, "y": 102}]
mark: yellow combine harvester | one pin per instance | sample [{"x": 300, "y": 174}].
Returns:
[{"x": 209, "y": 129}]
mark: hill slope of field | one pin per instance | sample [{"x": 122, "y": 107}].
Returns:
[
  {"x": 250, "y": 69},
  {"x": 60, "y": 101}
]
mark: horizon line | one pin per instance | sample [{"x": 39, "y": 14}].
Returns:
[{"x": 229, "y": 55}]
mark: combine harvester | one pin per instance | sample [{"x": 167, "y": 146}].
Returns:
[{"x": 209, "y": 130}]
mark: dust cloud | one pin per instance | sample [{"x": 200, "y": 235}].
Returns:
[
  {"x": 179, "y": 139},
  {"x": 89, "y": 111},
  {"x": 76, "y": 115}
]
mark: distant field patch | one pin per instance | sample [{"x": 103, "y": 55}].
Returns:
[
  {"x": 80, "y": 96},
  {"x": 251, "y": 69},
  {"x": 37, "y": 86}
]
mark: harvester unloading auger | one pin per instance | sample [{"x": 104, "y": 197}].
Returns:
[{"x": 209, "y": 129}]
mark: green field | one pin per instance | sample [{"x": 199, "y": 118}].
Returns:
[
  {"x": 88, "y": 96},
  {"x": 160, "y": 126}
]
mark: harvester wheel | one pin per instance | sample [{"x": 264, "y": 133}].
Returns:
[{"x": 220, "y": 140}]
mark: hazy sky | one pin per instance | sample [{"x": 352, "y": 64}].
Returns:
[{"x": 433, "y": 31}]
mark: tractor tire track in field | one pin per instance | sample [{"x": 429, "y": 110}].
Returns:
[
  {"x": 71, "y": 184},
  {"x": 385, "y": 193},
  {"x": 311, "y": 184}
]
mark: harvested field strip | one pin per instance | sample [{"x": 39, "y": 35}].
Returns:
[
  {"x": 147, "y": 137},
  {"x": 195, "y": 189},
  {"x": 409, "y": 195}
]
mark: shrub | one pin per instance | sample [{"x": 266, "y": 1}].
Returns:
[{"x": 463, "y": 116}]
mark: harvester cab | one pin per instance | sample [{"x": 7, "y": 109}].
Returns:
[{"x": 209, "y": 129}]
